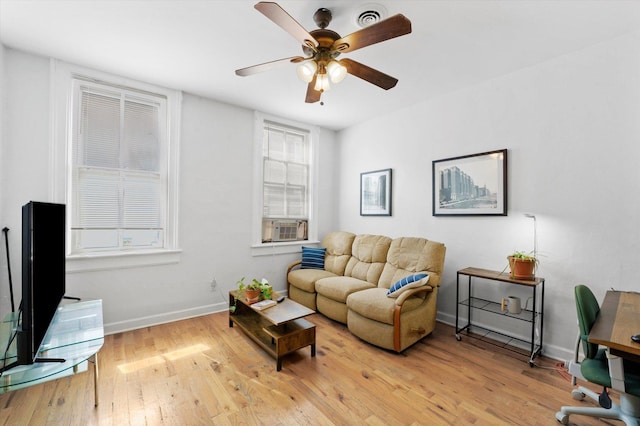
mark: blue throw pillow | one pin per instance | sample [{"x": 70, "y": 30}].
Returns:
[
  {"x": 313, "y": 258},
  {"x": 406, "y": 283}
]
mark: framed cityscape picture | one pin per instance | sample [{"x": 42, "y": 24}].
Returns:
[
  {"x": 471, "y": 185},
  {"x": 375, "y": 193}
]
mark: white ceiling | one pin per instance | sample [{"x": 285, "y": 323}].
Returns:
[{"x": 195, "y": 45}]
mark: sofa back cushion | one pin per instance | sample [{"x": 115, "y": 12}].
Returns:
[
  {"x": 407, "y": 256},
  {"x": 368, "y": 255},
  {"x": 338, "y": 245}
]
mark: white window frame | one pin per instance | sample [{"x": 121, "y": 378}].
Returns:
[
  {"x": 63, "y": 78},
  {"x": 258, "y": 248}
]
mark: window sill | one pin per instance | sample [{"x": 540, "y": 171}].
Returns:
[
  {"x": 120, "y": 260},
  {"x": 269, "y": 249}
]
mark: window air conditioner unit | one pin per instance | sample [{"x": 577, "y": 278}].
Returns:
[{"x": 285, "y": 230}]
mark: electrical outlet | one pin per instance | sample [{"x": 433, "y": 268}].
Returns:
[{"x": 214, "y": 284}]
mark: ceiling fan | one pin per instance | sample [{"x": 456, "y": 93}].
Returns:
[{"x": 322, "y": 46}]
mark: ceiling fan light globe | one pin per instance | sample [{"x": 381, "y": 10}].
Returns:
[
  {"x": 322, "y": 83},
  {"x": 307, "y": 70},
  {"x": 337, "y": 72}
]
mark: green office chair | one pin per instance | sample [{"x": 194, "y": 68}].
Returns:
[{"x": 595, "y": 369}]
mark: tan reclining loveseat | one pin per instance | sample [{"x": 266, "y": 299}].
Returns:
[{"x": 354, "y": 289}]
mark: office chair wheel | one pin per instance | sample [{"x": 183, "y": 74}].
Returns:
[
  {"x": 577, "y": 395},
  {"x": 562, "y": 418}
]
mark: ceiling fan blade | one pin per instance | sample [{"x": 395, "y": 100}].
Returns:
[
  {"x": 312, "y": 94},
  {"x": 255, "y": 69},
  {"x": 395, "y": 26},
  {"x": 281, "y": 18},
  {"x": 369, "y": 74}
]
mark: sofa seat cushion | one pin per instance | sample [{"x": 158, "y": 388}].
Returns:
[
  {"x": 305, "y": 279},
  {"x": 374, "y": 304},
  {"x": 339, "y": 288}
]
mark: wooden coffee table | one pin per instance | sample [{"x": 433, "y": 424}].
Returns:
[{"x": 279, "y": 330}]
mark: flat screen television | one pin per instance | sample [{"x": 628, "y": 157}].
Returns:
[{"x": 43, "y": 274}]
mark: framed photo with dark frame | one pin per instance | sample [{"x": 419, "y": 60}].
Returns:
[
  {"x": 375, "y": 193},
  {"x": 471, "y": 185}
]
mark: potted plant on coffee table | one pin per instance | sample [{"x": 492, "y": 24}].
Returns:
[{"x": 252, "y": 292}]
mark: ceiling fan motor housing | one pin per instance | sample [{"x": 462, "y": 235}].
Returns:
[{"x": 325, "y": 40}]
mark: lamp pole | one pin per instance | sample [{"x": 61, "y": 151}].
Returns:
[{"x": 535, "y": 239}]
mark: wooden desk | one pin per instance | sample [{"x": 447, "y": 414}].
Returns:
[{"x": 618, "y": 320}]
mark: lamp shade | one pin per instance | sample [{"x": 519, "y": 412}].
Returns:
[
  {"x": 337, "y": 72},
  {"x": 306, "y": 71},
  {"x": 322, "y": 83}
]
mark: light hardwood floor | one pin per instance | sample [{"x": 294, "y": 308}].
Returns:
[{"x": 200, "y": 372}]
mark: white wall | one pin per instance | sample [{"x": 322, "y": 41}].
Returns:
[
  {"x": 5, "y": 304},
  {"x": 215, "y": 205},
  {"x": 25, "y": 153},
  {"x": 572, "y": 128}
]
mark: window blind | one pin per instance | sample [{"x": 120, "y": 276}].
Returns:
[
  {"x": 117, "y": 180},
  {"x": 286, "y": 172},
  {"x": 286, "y": 164}
]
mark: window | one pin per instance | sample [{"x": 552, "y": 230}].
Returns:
[
  {"x": 286, "y": 179},
  {"x": 119, "y": 158},
  {"x": 118, "y": 172}
]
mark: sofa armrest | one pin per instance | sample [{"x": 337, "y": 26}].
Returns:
[
  {"x": 293, "y": 265},
  {"x": 412, "y": 292},
  {"x": 290, "y": 268},
  {"x": 397, "y": 313}
]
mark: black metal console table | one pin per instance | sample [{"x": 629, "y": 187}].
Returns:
[{"x": 535, "y": 315}]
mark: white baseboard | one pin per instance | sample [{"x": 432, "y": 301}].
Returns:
[
  {"x": 166, "y": 317},
  {"x": 549, "y": 351}
]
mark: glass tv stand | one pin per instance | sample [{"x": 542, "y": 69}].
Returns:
[{"x": 73, "y": 340}]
